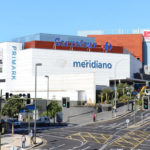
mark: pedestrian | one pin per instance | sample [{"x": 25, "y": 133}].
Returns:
[
  {"x": 93, "y": 117},
  {"x": 23, "y": 141},
  {"x": 31, "y": 137}
]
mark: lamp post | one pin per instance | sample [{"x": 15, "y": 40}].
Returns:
[
  {"x": 115, "y": 107},
  {"x": 36, "y": 65},
  {"x": 46, "y": 76},
  {"x": 129, "y": 94}
]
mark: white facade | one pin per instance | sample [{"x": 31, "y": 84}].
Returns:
[{"x": 71, "y": 73}]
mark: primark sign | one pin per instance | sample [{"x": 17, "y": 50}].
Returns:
[
  {"x": 80, "y": 44},
  {"x": 13, "y": 62}
]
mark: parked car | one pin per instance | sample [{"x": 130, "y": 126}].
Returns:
[
  {"x": 43, "y": 121},
  {"x": 16, "y": 122}
]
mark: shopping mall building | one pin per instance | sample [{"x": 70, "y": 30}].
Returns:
[{"x": 76, "y": 66}]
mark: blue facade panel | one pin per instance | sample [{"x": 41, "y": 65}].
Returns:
[
  {"x": 52, "y": 37},
  {"x": 146, "y": 53},
  {"x": 27, "y": 38}
]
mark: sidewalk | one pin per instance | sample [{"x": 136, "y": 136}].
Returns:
[
  {"x": 13, "y": 142},
  {"x": 102, "y": 116},
  {"x": 140, "y": 123}
]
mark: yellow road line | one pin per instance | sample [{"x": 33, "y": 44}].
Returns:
[
  {"x": 82, "y": 137},
  {"x": 141, "y": 137},
  {"x": 113, "y": 144},
  {"x": 132, "y": 138},
  {"x": 106, "y": 139},
  {"x": 69, "y": 137},
  {"x": 98, "y": 138},
  {"x": 90, "y": 135},
  {"x": 139, "y": 144},
  {"x": 138, "y": 136},
  {"x": 127, "y": 141},
  {"x": 144, "y": 132},
  {"x": 103, "y": 136}
]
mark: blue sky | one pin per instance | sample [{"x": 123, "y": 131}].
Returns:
[{"x": 25, "y": 17}]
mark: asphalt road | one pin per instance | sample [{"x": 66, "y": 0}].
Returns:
[{"x": 111, "y": 135}]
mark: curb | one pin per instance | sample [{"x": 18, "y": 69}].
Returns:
[
  {"x": 36, "y": 145},
  {"x": 139, "y": 125}
]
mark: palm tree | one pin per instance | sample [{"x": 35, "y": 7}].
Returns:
[
  {"x": 12, "y": 107},
  {"x": 107, "y": 93},
  {"x": 53, "y": 108}
]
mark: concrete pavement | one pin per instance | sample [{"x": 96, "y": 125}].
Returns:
[
  {"x": 13, "y": 142},
  {"x": 141, "y": 123},
  {"x": 83, "y": 119}
]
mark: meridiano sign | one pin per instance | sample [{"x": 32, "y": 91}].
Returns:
[{"x": 92, "y": 64}]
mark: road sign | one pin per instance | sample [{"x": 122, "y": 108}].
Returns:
[
  {"x": 37, "y": 116},
  {"x": 128, "y": 93},
  {"x": 127, "y": 121},
  {"x": 138, "y": 95}
]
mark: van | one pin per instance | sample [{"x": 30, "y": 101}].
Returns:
[{"x": 43, "y": 121}]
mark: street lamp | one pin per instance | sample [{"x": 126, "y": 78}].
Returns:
[
  {"x": 115, "y": 107},
  {"x": 129, "y": 94},
  {"x": 46, "y": 76},
  {"x": 36, "y": 65}
]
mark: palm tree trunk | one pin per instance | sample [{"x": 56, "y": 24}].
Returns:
[
  {"x": 54, "y": 119},
  {"x": 13, "y": 131}
]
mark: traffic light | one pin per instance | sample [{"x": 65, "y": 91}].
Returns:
[
  {"x": 10, "y": 94},
  {"x": 24, "y": 95},
  {"x": 28, "y": 99},
  {"x": 68, "y": 104},
  {"x": 145, "y": 102},
  {"x": 7, "y": 95},
  {"x": 20, "y": 95},
  {"x": 64, "y": 102}
]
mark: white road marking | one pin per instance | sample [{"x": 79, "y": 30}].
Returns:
[
  {"x": 145, "y": 145},
  {"x": 82, "y": 144},
  {"x": 148, "y": 114},
  {"x": 52, "y": 136},
  {"x": 86, "y": 148},
  {"x": 115, "y": 125},
  {"x": 56, "y": 147}
]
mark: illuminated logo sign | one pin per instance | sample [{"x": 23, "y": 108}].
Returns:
[
  {"x": 13, "y": 62},
  {"x": 92, "y": 64},
  {"x": 147, "y": 35},
  {"x": 81, "y": 44},
  {"x": 108, "y": 46}
]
